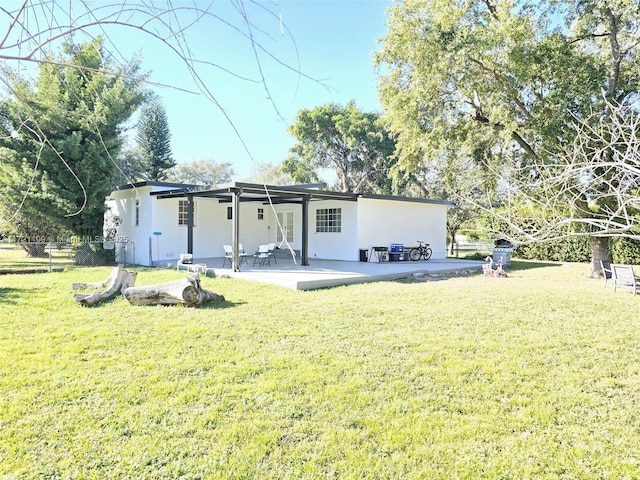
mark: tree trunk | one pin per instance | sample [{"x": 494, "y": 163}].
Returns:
[
  {"x": 186, "y": 291},
  {"x": 35, "y": 250},
  {"x": 599, "y": 251},
  {"x": 117, "y": 280}
]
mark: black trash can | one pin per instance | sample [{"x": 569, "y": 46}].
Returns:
[{"x": 364, "y": 255}]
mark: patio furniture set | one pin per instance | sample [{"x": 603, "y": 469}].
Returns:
[{"x": 263, "y": 256}]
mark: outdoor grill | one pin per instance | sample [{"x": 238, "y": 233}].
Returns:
[{"x": 503, "y": 249}]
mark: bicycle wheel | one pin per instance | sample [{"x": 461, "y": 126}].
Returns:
[
  {"x": 414, "y": 254},
  {"x": 427, "y": 254}
]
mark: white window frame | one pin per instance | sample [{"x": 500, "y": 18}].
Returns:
[
  {"x": 183, "y": 213},
  {"x": 329, "y": 220}
]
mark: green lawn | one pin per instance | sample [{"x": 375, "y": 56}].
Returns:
[
  {"x": 13, "y": 257},
  {"x": 532, "y": 376}
]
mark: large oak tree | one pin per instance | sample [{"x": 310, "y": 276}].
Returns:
[
  {"x": 511, "y": 85},
  {"x": 354, "y": 144}
]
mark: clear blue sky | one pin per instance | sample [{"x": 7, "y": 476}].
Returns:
[{"x": 335, "y": 41}]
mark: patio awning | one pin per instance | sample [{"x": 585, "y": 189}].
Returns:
[
  {"x": 236, "y": 192},
  {"x": 253, "y": 192}
]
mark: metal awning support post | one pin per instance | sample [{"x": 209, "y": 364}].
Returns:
[
  {"x": 305, "y": 230},
  {"x": 190, "y": 224},
  {"x": 235, "y": 233}
]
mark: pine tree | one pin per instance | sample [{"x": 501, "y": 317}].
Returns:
[{"x": 154, "y": 139}]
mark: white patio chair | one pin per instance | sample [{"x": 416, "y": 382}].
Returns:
[
  {"x": 242, "y": 254},
  {"x": 262, "y": 255},
  {"x": 185, "y": 259},
  {"x": 272, "y": 251},
  {"x": 228, "y": 255}
]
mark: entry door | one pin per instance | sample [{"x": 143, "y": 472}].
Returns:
[{"x": 286, "y": 221}]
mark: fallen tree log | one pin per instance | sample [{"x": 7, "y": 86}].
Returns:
[
  {"x": 109, "y": 280},
  {"x": 118, "y": 281},
  {"x": 186, "y": 291}
]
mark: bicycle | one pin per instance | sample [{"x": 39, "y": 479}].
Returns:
[{"x": 421, "y": 251}]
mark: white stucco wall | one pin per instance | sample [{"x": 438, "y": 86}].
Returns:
[
  {"x": 121, "y": 203},
  {"x": 334, "y": 245},
  {"x": 216, "y": 229},
  {"x": 383, "y": 222}
]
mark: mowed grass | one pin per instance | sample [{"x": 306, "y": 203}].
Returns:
[{"x": 532, "y": 376}]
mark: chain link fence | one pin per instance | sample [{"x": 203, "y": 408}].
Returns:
[{"x": 47, "y": 256}]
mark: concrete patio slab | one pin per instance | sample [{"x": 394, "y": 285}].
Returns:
[{"x": 330, "y": 273}]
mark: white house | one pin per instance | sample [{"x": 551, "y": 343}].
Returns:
[{"x": 162, "y": 220}]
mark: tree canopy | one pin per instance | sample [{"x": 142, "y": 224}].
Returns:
[
  {"x": 354, "y": 144},
  {"x": 201, "y": 172},
  {"x": 270, "y": 174},
  {"x": 59, "y": 140},
  {"x": 507, "y": 84}
]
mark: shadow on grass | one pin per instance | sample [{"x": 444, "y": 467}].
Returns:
[
  {"x": 531, "y": 264},
  {"x": 219, "y": 305},
  {"x": 9, "y": 294}
]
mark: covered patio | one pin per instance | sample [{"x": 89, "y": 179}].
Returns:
[
  {"x": 331, "y": 273},
  {"x": 239, "y": 192}
]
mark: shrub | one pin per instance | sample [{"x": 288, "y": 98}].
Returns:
[
  {"x": 578, "y": 249},
  {"x": 571, "y": 249},
  {"x": 625, "y": 250},
  {"x": 92, "y": 254}
]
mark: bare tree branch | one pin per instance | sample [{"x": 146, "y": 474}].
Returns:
[
  {"x": 36, "y": 28},
  {"x": 590, "y": 188}
]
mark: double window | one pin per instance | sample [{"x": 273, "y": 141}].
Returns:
[{"x": 329, "y": 220}]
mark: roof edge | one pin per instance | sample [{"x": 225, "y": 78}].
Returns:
[
  {"x": 398, "y": 198},
  {"x": 151, "y": 183}
]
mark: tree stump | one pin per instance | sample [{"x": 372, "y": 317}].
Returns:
[
  {"x": 186, "y": 291},
  {"x": 118, "y": 280}
]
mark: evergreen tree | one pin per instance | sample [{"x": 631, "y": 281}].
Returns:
[
  {"x": 59, "y": 141},
  {"x": 154, "y": 139}
]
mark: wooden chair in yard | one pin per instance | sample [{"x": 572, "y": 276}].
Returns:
[{"x": 623, "y": 276}]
